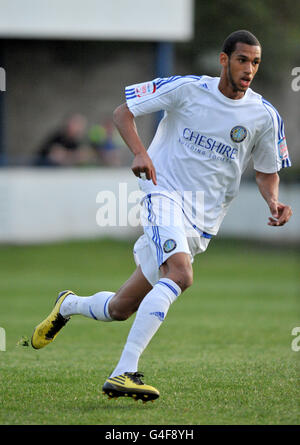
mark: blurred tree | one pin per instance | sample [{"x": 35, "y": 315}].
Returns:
[{"x": 276, "y": 24}]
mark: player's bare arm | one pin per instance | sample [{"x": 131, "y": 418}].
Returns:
[
  {"x": 124, "y": 121},
  {"x": 268, "y": 184}
]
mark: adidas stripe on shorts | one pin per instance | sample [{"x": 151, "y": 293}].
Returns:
[{"x": 166, "y": 231}]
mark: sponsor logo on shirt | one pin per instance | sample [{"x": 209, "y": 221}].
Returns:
[
  {"x": 198, "y": 140},
  {"x": 282, "y": 149},
  {"x": 146, "y": 89},
  {"x": 238, "y": 133}
]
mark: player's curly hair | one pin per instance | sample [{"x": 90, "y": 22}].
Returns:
[{"x": 242, "y": 36}]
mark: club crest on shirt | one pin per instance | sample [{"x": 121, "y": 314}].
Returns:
[
  {"x": 169, "y": 245},
  {"x": 145, "y": 89},
  {"x": 238, "y": 133}
]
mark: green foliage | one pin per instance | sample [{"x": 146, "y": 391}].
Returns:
[{"x": 274, "y": 22}]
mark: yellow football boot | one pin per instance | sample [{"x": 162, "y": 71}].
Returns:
[
  {"x": 48, "y": 329},
  {"x": 129, "y": 384}
]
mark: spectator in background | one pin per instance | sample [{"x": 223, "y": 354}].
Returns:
[
  {"x": 107, "y": 142},
  {"x": 63, "y": 148}
]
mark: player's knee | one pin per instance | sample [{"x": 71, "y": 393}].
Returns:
[
  {"x": 184, "y": 278},
  {"x": 179, "y": 269}
]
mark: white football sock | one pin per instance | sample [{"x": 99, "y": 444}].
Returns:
[
  {"x": 95, "y": 307},
  {"x": 151, "y": 313}
]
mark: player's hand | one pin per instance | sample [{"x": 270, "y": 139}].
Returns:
[
  {"x": 143, "y": 164},
  {"x": 281, "y": 213}
]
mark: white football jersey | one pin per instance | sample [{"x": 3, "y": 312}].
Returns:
[{"x": 205, "y": 141}]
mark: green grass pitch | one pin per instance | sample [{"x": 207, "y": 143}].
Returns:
[{"x": 223, "y": 355}]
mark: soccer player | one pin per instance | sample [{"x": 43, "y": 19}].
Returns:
[{"x": 212, "y": 127}]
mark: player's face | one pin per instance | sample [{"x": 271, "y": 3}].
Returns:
[{"x": 241, "y": 67}]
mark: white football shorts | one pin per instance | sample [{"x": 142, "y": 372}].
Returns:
[{"x": 166, "y": 231}]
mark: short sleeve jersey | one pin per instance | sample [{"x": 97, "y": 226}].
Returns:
[{"x": 205, "y": 141}]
